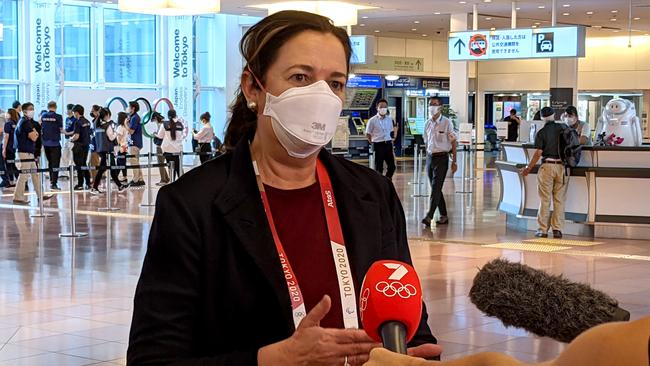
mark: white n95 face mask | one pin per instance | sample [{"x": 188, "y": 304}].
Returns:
[
  {"x": 304, "y": 119},
  {"x": 383, "y": 111},
  {"x": 433, "y": 109},
  {"x": 30, "y": 114}
]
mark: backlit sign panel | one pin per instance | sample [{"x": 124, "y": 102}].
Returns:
[{"x": 517, "y": 44}]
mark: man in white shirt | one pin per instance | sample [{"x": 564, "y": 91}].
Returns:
[
  {"x": 440, "y": 140},
  {"x": 378, "y": 132}
]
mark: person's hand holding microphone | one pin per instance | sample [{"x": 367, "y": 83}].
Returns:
[{"x": 312, "y": 344}]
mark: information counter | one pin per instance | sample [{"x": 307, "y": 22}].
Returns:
[{"x": 608, "y": 193}]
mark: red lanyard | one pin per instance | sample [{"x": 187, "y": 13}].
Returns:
[{"x": 339, "y": 253}]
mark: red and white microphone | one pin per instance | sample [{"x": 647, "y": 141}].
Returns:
[{"x": 391, "y": 304}]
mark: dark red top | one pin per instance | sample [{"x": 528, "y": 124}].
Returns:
[{"x": 302, "y": 227}]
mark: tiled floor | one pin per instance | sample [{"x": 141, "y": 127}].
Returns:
[{"x": 68, "y": 302}]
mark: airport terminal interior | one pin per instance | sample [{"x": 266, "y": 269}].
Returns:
[{"x": 72, "y": 249}]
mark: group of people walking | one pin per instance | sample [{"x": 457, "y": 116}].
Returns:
[{"x": 98, "y": 142}]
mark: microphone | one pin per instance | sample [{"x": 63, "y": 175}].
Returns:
[
  {"x": 543, "y": 304},
  {"x": 391, "y": 304}
]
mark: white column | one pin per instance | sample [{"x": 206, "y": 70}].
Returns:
[
  {"x": 474, "y": 17},
  {"x": 513, "y": 15},
  {"x": 459, "y": 74},
  {"x": 554, "y": 13},
  {"x": 564, "y": 74}
]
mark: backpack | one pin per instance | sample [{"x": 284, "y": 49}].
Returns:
[{"x": 570, "y": 148}]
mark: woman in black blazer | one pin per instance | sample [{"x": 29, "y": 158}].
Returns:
[{"x": 216, "y": 281}]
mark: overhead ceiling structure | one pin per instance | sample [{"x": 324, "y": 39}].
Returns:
[
  {"x": 170, "y": 7},
  {"x": 429, "y": 19}
]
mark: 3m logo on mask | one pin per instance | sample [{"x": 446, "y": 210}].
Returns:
[{"x": 318, "y": 126}]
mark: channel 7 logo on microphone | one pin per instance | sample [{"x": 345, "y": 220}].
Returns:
[{"x": 544, "y": 42}]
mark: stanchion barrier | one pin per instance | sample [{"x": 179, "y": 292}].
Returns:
[
  {"x": 109, "y": 184},
  {"x": 171, "y": 171},
  {"x": 467, "y": 187},
  {"x": 150, "y": 202},
  {"x": 73, "y": 220},
  {"x": 180, "y": 163},
  {"x": 420, "y": 173},
  {"x": 14, "y": 161},
  {"x": 41, "y": 211},
  {"x": 416, "y": 152}
]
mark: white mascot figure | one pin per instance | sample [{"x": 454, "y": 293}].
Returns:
[{"x": 619, "y": 118}]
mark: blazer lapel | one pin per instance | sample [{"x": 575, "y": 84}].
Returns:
[{"x": 242, "y": 209}]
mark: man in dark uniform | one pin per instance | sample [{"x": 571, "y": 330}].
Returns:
[
  {"x": 81, "y": 140},
  {"x": 52, "y": 125},
  {"x": 25, "y": 137},
  {"x": 552, "y": 181}
]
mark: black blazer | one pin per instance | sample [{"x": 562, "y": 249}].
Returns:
[{"x": 212, "y": 290}]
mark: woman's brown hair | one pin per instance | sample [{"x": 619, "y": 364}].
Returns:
[
  {"x": 260, "y": 46},
  {"x": 13, "y": 114}
]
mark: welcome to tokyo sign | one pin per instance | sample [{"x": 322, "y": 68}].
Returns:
[
  {"x": 517, "y": 44},
  {"x": 43, "y": 65},
  {"x": 181, "y": 67}
]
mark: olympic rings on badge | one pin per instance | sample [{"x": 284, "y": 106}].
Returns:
[{"x": 396, "y": 288}]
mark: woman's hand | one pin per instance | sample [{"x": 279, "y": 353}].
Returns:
[{"x": 313, "y": 345}]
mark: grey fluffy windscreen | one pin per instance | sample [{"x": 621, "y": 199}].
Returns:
[{"x": 543, "y": 304}]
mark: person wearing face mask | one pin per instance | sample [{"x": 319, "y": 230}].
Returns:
[
  {"x": 81, "y": 140},
  {"x": 380, "y": 132},
  {"x": 8, "y": 151},
  {"x": 172, "y": 135},
  {"x": 256, "y": 257},
  {"x": 552, "y": 181},
  {"x": 135, "y": 130},
  {"x": 66, "y": 150},
  {"x": 440, "y": 141},
  {"x": 204, "y": 137},
  {"x": 570, "y": 117},
  {"x": 52, "y": 130},
  {"x": 25, "y": 137},
  {"x": 164, "y": 177},
  {"x": 94, "y": 154},
  {"x": 105, "y": 137}
]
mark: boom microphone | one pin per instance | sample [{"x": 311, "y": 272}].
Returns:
[
  {"x": 391, "y": 304},
  {"x": 543, "y": 304}
]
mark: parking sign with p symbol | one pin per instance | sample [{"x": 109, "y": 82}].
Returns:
[{"x": 544, "y": 42}]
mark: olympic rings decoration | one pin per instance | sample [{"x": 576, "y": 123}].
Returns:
[
  {"x": 123, "y": 102},
  {"x": 169, "y": 103},
  {"x": 147, "y": 116},
  {"x": 396, "y": 288}
]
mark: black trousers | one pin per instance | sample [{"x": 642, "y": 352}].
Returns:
[
  {"x": 437, "y": 167},
  {"x": 384, "y": 153},
  {"x": 205, "y": 148},
  {"x": 80, "y": 158},
  {"x": 53, "y": 156},
  {"x": 3, "y": 168},
  {"x": 177, "y": 164},
  {"x": 12, "y": 170},
  {"x": 103, "y": 158}
]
